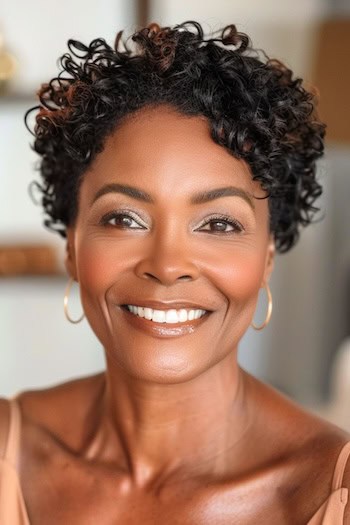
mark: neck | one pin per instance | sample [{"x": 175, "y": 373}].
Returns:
[{"x": 157, "y": 430}]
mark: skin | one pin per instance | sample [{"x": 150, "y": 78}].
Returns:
[{"x": 174, "y": 431}]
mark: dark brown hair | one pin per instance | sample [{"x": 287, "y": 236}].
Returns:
[{"x": 255, "y": 107}]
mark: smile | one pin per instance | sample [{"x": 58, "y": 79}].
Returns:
[
  {"x": 158, "y": 327},
  {"x": 170, "y": 316}
]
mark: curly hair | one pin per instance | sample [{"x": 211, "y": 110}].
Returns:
[{"x": 255, "y": 108}]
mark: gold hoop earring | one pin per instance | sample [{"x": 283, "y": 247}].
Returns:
[
  {"x": 269, "y": 310},
  {"x": 65, "y": 303}
]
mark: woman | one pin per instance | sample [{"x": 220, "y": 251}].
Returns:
[{"x": 174, "y": 170}]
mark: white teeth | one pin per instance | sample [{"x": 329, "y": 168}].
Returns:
[
  {"x": 166, "y": 316},
  {"x": 158, "y": 316},
  {"x": 141, "y": 312},
  {"x": 148, "y": 312},
  {"x": 171, "y": 316},
  {"x": 182, "y": 314}
]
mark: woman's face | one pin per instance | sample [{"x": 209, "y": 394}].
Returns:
[{"x": 169, "y": 245}]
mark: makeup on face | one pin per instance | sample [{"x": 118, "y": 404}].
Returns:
[
  {"x": 165, "y": 323},
  {"x": 112, "y": 209},
  {"x": 170, "y": 246}
]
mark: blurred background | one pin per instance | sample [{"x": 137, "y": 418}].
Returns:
[{"x": 305, "y": 351}]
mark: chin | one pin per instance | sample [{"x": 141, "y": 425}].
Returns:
[{"x": 160, "y": 366}]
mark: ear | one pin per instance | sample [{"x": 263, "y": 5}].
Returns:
[
  {"x": 70, "y": 259},
  {"x": 270, "y": 259}
]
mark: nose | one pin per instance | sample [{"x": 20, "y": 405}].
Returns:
[{"x": 167, "y": 261}]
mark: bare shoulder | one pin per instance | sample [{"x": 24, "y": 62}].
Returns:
[
  {"x": 316, "y": 436},
  {"x": 291, "y": 420},
  {"x": 314, "y": 468},
  {"x": 308, "y": 445},
  {"x": 346, "y": 484},
  {"x": 4, "y": 424},
  {"x": 51, "y": 408}
]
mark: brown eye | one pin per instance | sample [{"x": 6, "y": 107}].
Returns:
[
  {"x": 120, "y": 220},
  {"x": 223, "y": 225}
]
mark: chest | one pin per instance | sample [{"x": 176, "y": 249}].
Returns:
[{"x": 90, "y": 494}]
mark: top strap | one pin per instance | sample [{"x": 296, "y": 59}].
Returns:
[
  {"x": 340, "y": 466},
  {"x": 12, "y": 446}
]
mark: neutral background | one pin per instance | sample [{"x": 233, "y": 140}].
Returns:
[{"x": 310, "y": 286}]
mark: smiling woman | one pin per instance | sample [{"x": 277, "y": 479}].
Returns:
[
  {"x": 159, "y": 228},
  {"x": 174, "y": 171}
]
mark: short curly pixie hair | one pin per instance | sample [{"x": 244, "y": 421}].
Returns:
[{"x": 254, "y": 106}]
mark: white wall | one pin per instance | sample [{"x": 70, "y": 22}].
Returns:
[
  {"x": 38, "y": 347},
  {"x": 20, "y": 219},
  {"x": 36, "y": 32},
  {"x": 285, "y": 29}
]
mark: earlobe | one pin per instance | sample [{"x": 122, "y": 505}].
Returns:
[{"x": 70, "y": 260}]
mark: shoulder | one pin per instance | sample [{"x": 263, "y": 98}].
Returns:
[
  {"x": 319, "y": 456},
  {"x": 346, "y": 484},
  {"x": 314, "y": 461},
  {"x": 314, "y": 437},
  {"x": 293, "y": 426},
  {"x": 52, "y": 410},
  {"x": 319, "y": 462},
  {"x": 310, "y": 444},
  {"x": 4, "y": 424},
  {"x": 62, "y": 398}
]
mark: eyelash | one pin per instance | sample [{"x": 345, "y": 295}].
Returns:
[{"x": 238, "y": 228}]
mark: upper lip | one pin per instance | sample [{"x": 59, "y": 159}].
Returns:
[{"x": 167, "y": 305}]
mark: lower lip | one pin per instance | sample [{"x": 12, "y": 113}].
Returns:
[{"x": 163, "y": 329}]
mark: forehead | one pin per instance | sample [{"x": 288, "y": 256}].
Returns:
[{"x": 165, "y": 152}]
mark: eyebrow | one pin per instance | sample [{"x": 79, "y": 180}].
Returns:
[{"x": 198, "y": 198}]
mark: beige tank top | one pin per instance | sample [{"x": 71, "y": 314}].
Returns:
[{"x": 13, "y": 509}]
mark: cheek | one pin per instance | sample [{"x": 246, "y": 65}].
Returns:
[
  {"x": 239, "y": 283},
  {"x": 239, "y": 274},
  {"x": 97, "y": 265},
  {"x": 99, "y": 268}
]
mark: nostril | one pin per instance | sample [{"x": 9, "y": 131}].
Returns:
[{"x": 151, "y": 276}]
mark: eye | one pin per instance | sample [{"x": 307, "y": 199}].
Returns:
[
  {"x": 127, "y": 220},
  {"x": 222, "y": 222},
  {"x": 121, "y": 220}
]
